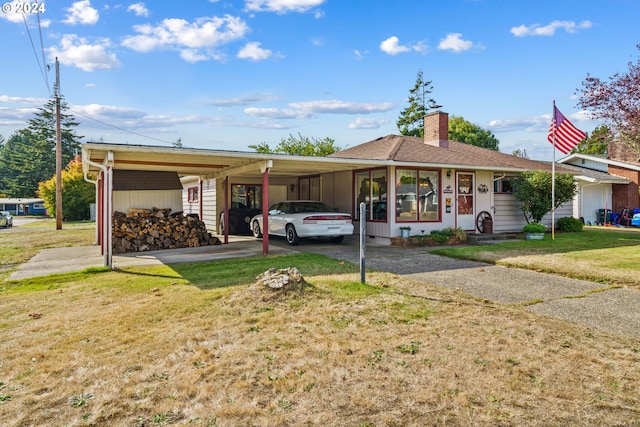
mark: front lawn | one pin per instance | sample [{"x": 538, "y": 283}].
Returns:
[{"x": 608, "y": 255}]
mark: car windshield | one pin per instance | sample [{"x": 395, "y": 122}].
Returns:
[{"x": 303, "y": 207}]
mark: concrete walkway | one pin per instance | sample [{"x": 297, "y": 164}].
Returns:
[
  {"x": 611, "y": 310},
  {"x": 65, "y": 260}
]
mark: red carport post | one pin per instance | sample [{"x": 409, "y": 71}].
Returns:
[
  {"x": 225, "y": 221},
  {"x": 265, "y": 207}
]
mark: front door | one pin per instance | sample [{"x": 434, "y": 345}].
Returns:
[{"x": 465, "y": 200}]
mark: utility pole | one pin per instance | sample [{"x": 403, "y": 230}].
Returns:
[{"x": 56, "y": 92}]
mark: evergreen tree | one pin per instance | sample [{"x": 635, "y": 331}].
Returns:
[
  {"x": 411, "y": 120},
  {"x": 29, "y": 156}
]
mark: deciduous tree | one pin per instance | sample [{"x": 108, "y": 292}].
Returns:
[
  {"x": 617, "y": 102},
  {"x": 300, "y": 146},
  {"x": 466, "y": 132},
  {"x": 77, "y": 193},
  {"x": 596, "y": 144},
  {"x": 532, "y": 190}
]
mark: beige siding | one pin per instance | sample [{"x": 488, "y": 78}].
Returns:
[
  {"x": 147, "y": 199},
  {"x": 335, "y": 189},
  {"x": 208, "y": 200},
  {"x": 509, "y": 217}
]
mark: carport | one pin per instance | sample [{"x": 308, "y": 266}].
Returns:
[{"x": 99, "y": 160}]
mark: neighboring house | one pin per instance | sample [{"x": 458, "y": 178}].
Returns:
[
  {"x": 23, "y": 206},
  {"x": 616, "y": 189}
]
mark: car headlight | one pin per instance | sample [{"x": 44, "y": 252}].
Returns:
[{"x": 247, "y": 219}]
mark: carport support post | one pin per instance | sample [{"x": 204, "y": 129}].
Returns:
[
  {"x": 265, "y": 207},
  {"x": 225, "y": 226},
  {"x": 363, "y": 235}
]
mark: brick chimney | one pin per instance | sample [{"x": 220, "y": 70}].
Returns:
[{"x": 436, "y": 129}]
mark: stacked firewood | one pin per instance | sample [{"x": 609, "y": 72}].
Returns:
[{"x": 142, "y": 230}]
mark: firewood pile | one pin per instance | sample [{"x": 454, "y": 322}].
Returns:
[{"x": 142, "y": 230}]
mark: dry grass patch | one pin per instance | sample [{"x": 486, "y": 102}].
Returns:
[
  {"x": 608, "y": 255},
  {"x": 19, "y": 244},
  {"x": 117, "y": 351}
]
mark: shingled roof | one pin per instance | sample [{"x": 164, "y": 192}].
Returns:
[{"x": 409, "y": 149}]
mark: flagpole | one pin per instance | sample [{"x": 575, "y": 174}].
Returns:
[{"x": 553, "y": 176}]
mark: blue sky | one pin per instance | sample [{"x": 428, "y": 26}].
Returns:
[{"x": 226, "y": 74}]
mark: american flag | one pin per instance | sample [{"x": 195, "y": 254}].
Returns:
[{"x": 566, "y": 134}]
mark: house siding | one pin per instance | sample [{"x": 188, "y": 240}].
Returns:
[
  {"x": 589, "y": 164},
  {"x": 508, "y": 216},
  {"x": 147, "y": 199}
]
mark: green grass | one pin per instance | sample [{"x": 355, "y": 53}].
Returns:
[
  {"x": 589, "y": 239},
  {"x": 229, "y": 272},
  {"x": 598, "y": 254},
  {"x": 204, "y": 275},
  {"x": 19, "y": 244}
]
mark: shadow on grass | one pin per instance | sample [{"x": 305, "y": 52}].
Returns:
[{"x": 239, "y": 271}]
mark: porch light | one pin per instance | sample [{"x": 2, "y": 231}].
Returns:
[
  {"x": 449, "y": 173},
  {"x": 292, "y": 187}
]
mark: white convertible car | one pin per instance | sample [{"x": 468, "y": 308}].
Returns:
[{"x": 296, "y": 219}]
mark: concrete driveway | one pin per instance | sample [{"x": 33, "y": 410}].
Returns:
[{"x": 611, "y": 310}]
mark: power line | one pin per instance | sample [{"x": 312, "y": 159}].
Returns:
[
  {"x": 46, "y": 76},
  {"x": 119, "y": 128},
  {"x": 33, "y": 47}
]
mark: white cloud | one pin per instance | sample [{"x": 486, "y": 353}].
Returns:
[
  {"x": 531, "y": 124},
  {"x": 304, "y": 109},
  {"x": 192, "y": 56},
  {"x": 16, "y": 116},
  {"x": 81, "y": 12},
  {"x": 284, "y": 6},
  {"x": 455, "y": 43},
  {"x": 277, "y": 113},
  {"x": 243, "y": 100},
  {"x": 22, "y": 100},
  {"x": 550, "y": 29},
  {"x": 139, "y": 9},
  {"x": 108, "y": 112},
  {"x": 341, "y": 107},
  {"x": 360, "y": 54},
  {"x": 253, "y": 52},
  {"x": 76, "y": 51},
  {"x": 195, "y": 40},
  {"x": 392, "y": 46},
  {"x": 367, "y": 123}
]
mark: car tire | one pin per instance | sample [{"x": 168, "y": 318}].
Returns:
[
  {"x": 255, "y": 229},
  {"x": 292, "y": 236},
  {"x": 337, "y": 239}
]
